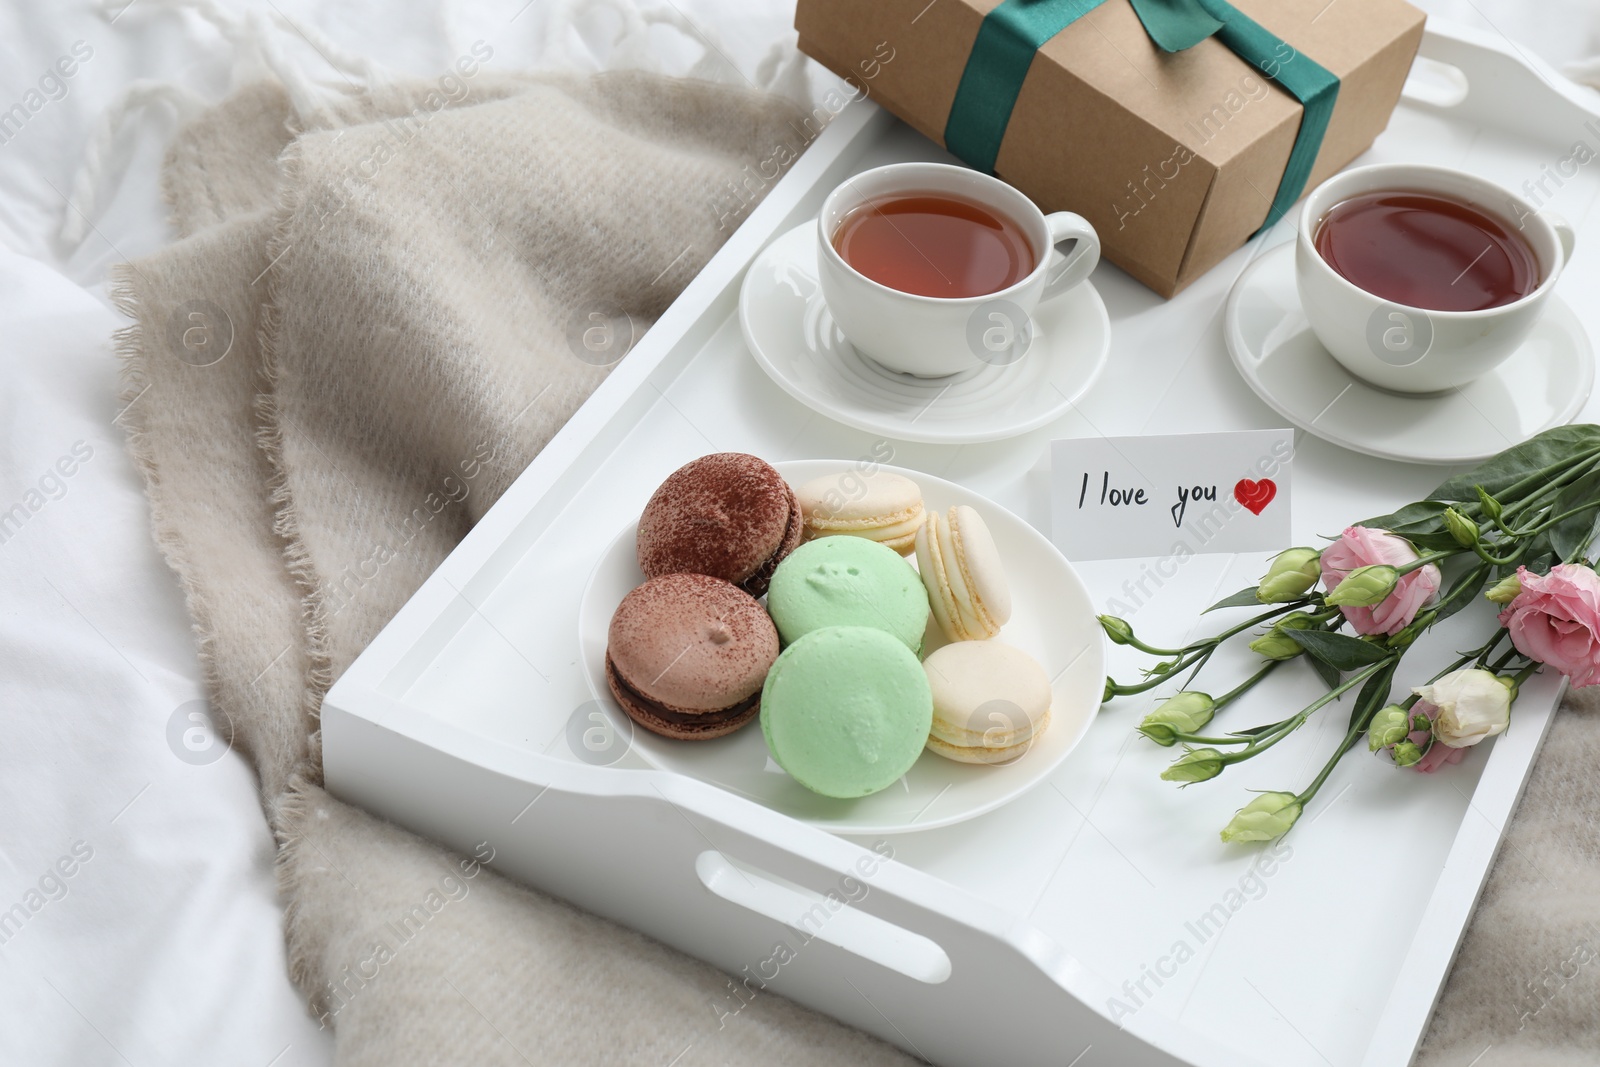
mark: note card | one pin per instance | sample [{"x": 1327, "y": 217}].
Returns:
[{"x": 1182, "y": 494}]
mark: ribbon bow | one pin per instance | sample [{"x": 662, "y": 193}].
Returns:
[
  {"x": 1012, "y": 32},
  {"x": 1176, "y": 24}
]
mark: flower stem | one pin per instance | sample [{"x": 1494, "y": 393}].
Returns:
[
  {"x": 1196, "y": 654},
  {"x": 1244, "y": 687},
  {"x": 1488, "y": 647},
  {"x": 1542, "y": 479},
  {"x": 1552, "y": 520},
  {"x": 1504, "y": 661},
  {"x": 1498, "y": 561},
  {"x": 1457, "y": 665},
  {"x": 1200, "y": 739},
  {"x": 1297, "y": 720},
  {"x": 1156, "y": 678},
  {"x": 1281, "y": 609},
  {"x": 1427, "y": 558},
  {"x": 1361, "y": 725},
  {"x": 1351, "y": 736},
  {"x": 1152, "y": 649},
  {"x": 1574, "y": 469},
  {"x": 1461, "y": 588}
]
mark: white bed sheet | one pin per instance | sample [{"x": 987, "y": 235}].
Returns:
[{"x": 149, "y": 930}]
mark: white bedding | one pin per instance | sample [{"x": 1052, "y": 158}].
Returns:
[{"x": 138, "y": 914}]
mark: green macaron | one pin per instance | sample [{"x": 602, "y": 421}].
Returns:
[
  {"x": 848, "y": 581},
  {"x": 846, "y": 709}
]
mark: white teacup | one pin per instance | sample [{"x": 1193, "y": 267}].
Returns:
[
  {"x": 1420, "y": 350},
  {"x": 932, "y": 336}
]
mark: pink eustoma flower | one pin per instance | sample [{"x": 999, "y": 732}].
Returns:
[
  {"x": 1440, "y": 755},
  {"x": 1555, "y": 620},
  {"x": 1361, "y": 546}
]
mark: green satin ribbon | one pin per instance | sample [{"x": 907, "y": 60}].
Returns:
[
  {"x": 1014, "y": 31},
  {"x": 1176, "y": 24}
]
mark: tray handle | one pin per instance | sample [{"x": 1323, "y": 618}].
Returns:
[
  {"x": 1481, "y": 77},
  {"x": 1436, "y": 84},
  {"x": 811, "y": 914},
  {"x": 926, "y": 956}
]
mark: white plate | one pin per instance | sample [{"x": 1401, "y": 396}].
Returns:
[
  {"x": 793, "y": 337},
  {"x": 1545, "y": 383},
  {"x": 1053, "y": 619}
]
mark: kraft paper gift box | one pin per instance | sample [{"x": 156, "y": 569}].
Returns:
[{"x": 1176, "y": 157}]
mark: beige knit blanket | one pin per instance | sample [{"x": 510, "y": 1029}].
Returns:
[{"x": 357, "y": 340}]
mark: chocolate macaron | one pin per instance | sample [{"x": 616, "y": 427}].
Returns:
[
  {"x": 686, "y": 656},
  {"x": 729, "y": 515}
]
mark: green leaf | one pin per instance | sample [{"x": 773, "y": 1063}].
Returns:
[
  {"x": 1519, "y": 461},
  {"x": 1413, "y": 520},
  {"x": 1572, "y": 536},
  {"x": 1421, "y": 523},
  {"x": 1329, "y": 676},
  {"x": 1243, "y": 598},
  {"x": 1539, "y": 557},
  {"x": 1374, "y": 694},
  {"x": 1433, "y": 542},
  {"x": 1339, "y": 651},
  {"x": 1476, "y": 576}
]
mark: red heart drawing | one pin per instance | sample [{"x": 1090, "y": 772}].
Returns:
[{"x": 1255, "y": 495}]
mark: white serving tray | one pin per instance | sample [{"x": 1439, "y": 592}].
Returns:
[{"x": 1003, "y": 939}]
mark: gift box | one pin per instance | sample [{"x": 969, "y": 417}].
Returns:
[{"x": 1179, "y": 128}]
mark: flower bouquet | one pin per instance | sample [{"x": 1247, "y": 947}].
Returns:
[{"x": 1516, "y": 529}]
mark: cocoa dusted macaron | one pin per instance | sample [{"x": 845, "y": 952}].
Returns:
[
  {"x": 687, "y": 654},
  {"x": 728, "y": 515}
]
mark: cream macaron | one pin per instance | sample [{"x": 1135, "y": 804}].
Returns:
[
  {"x": 960, "y": 566},
  {"x": 990, "y": 701},
  {"x": 879, "y": 505}
]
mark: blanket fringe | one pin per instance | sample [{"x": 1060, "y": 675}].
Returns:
[
  {"x": 287, "y": 816},
  {"x": 256, "y": 36},
  {"x": 270, "y": 438},
  {"x": 256, "y": 41},
  {"x": 129, "y": 346}
]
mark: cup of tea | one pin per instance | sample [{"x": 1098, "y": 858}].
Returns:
[
  {"x": 1419, "y": 279},
  {"x": 931, "y": 269}
]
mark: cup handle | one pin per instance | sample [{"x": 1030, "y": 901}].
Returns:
[
  {"x": 1564, "y": 232},
  {"x": 1068, "y": 269}
]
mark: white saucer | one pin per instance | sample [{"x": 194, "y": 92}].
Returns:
[
  {"x": 793, "y": 337},
  {"x": 1545, "y": 383},
  {"x": 1052, "y": 619}
]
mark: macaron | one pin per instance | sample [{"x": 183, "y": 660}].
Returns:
[
  {"x": 846, "y": 710},
  {"x": 879, "y": 505},
  {"x": 990, "y": 701},
  {"x": 961, "y": 568},
  {"x": 729, "y": 515},
  {"x": 848, "y": 581},
  {"x": 686, "y": 656}
]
